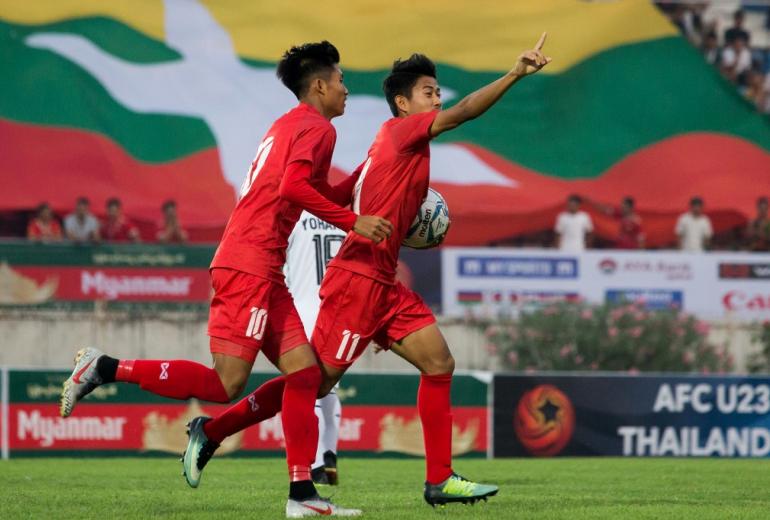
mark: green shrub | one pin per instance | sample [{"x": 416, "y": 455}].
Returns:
[
  {"x": 760, "y": 362},
  {"x": 579, "y": 336}
]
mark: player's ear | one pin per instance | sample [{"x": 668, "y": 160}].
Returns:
[
  {"x": 402, "y": 103},
  {"x": 318, "y": 85}
]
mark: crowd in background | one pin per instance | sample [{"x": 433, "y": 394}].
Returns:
[
  {"x": 572, "y": 231},
  {"x": 731, "y": 48},
  {"x": 574, "y": 228},
  {"x": 81, "y": 226}
]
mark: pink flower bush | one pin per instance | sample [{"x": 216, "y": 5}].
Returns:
[
  {"x": 579, "y": 336},
  {"x": 702, "y": 327}
]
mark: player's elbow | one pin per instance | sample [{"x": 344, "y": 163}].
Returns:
[{"x": 287, "y": 192}]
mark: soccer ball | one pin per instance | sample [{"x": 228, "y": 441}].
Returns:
[{"x": 431, "y": 223}]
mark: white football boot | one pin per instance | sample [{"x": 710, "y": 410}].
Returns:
[
  {"x": 316, "y": 506},
  {"x": 83, "y": 380}
]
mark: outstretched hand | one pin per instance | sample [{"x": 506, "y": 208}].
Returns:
[{"x": 532, "y": 60}]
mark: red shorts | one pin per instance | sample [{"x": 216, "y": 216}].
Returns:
[
  {"x": 254, "y": 314},
  {"x": 356, "y": 309}
]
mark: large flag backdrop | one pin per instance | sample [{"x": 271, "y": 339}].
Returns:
[{"x": 151, "y": 99}]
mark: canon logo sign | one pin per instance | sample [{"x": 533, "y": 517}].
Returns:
[{"x": 742, "y": 301}]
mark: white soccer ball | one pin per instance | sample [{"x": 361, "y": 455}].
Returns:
[{"x": 431, "y": 223}]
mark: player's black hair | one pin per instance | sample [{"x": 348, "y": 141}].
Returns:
[
  {"x": 696, "y": 201},
  {"x": 170, "y": 203},
  {"x": 404, "y": 75},
  {"x": 575, "y": 198},
  {"x": 762, "y": 200},
  {"x": 628, "y": 201},
  {"x": 301, "y": 63},
  {"x": 83, "y": 200},
  {"x": 113, "y": 201},
  {"x": 42, "y": 207}
]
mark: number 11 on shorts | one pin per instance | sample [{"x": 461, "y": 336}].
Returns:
[{"x": 346, "y": 338}]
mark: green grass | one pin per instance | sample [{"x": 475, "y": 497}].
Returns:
[{"x": 389, "y": 489}]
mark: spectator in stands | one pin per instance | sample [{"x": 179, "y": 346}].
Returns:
[
  {"x": 754, "y": 90},
  {"x": 44, "y": 227},
  {"x": 573, "y": 227},
  {"x": 689, "y": 22},
  {"x": 630, "y": 234},
  {"x": 81, "y": 225},
  {"x": 710, "y": 48},
  {"x": 694, "y": 228},
  {"x": 736, "y": 61},
  {"x": 737, "y": 30},
  {"x": 762, "y": 99},
  {"x": 758, "y": 231},
  {"x": 116, "y": 228},
  {"x": 171, "y": 231}
]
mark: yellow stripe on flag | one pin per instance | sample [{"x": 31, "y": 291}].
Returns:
[
  {"x": 143, "y": 15},
  {"x": 479, "y": 35}
]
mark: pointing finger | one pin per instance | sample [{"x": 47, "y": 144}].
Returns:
[{"x": 541, "y": 41}]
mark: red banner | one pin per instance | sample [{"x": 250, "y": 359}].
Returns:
[
  {"x": 156, "y": 427},
  {"x": 119, "y": 283}
]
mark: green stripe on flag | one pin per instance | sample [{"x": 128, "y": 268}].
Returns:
[
  {"x": 41, "y": 87},
  {"x": 575, "y": 124},
  {"x": 583, "y": 121}
]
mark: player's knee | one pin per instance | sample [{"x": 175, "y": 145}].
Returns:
[
  {"x": 308, "y": 377},
  {"x": 233, "y": 384},
  {"x": 439, "y": 365}
]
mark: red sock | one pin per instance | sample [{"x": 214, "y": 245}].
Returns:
[
  {"x": 433, "y": 403},
  {"x": 263, "y": 403},
  {"x": 177, "y": 379},
  {"x": 300, "y": 425}
]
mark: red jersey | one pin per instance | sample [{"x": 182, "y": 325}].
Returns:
[
  {"x": 258, "y": 230},
  {"x": 629, "y": 232},
  {"x": 119, "y": 230},
  {"x": 38, "y": 230},
  {"x": 392, "y": 185}
]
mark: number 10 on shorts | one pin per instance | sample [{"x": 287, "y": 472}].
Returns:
[
  {"x": 257, "y": 323},
  {"x": 346, "y": 338}
]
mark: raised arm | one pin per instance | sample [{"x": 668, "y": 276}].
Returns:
[{"x": 478, "y": 102}]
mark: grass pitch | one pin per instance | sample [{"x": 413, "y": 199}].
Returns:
[{"x": 388, "y": 489}]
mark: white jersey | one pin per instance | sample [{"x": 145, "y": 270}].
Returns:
[{"x": 312, "y": 244}]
